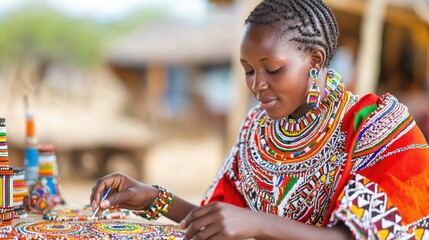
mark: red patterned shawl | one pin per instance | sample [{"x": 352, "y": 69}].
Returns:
[
  {"x": 382, "y": 188},
  {"x": 387, "y": 192}
]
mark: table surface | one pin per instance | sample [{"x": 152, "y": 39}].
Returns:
[
  {"x": 131, "y": 218},
  {"x": 32, "y": 217}
]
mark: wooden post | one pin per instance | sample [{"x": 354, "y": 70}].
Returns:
[
  {"x": 368, "y": 63},
  {"x": 154, "y": 92},
  {"x": 427, "y": 72}
]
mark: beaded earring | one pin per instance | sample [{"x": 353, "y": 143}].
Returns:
[{"x": 313, "y": 96}]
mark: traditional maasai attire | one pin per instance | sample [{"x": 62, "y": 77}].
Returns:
[{"x": 360, "y": 161}]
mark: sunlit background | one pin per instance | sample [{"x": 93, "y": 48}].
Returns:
[{"x": 153, "y": 88}]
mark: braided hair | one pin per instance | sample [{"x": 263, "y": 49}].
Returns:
[{"x": 309, "y": 23}]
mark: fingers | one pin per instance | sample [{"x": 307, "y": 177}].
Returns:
[
  {"x": 101, "y": 186},
  {"x": 196, "y": 232},
  {"x": 194, "y": 215},
  {"x": 199, "y": 224}
]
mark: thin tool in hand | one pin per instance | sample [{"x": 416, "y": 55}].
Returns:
[{"x": 102, "y": 198}]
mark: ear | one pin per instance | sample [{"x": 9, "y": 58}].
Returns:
[{"x": 317, "y": 58}]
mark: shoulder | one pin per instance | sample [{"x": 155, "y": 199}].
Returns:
[
  {"x": 377, "y": 120},
  {"x": 374, "y": 109}
]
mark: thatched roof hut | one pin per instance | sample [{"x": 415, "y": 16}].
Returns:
[{"x": 175, "y": 40}]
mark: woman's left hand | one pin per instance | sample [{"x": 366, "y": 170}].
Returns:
[{"x": 220, "y": 220}]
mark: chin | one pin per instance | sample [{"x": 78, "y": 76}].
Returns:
[{"x": 275, "y": 116}]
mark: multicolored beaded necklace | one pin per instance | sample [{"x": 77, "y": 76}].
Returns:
[{"x": 289, "y": 139}]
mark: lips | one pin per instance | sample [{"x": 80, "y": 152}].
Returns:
[{"x": 267, "y": 103}]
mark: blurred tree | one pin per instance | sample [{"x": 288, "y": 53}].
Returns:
[
  {"x": 35, "y": 31},
  {"x": 36, "y": 37},
  {"x": 116, "y": 29}
]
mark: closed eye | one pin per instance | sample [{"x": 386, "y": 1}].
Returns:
[
  {"x": 249, "y": 73},
  {"x": 272, "y": 71}
]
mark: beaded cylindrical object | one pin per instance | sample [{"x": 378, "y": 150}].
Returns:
[
  {"x": 48, "y": 170},
  {"x": 31, "y": 158},
  {"x": 160, "y": 206},
  {"x": 19, "y": 192},
  {"x": 6, "y": 179}
]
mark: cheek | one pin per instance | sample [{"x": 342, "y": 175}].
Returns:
[
  {"x": 303, "y": 88},
  {"x": 249, "y": 84},
  {"x": 294, "y": 90}
]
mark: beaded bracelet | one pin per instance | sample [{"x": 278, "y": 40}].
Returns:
[{"x": 160, "y": 206}]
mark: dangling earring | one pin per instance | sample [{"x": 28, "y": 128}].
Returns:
[{"x": 313, "y": 96}]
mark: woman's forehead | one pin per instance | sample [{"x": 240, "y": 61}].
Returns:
[
  {"x": 264, "y": 37},
  {"x": 260, "y": 33}
]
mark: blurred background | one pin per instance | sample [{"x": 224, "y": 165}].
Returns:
[{"x": 154, "y": 89}]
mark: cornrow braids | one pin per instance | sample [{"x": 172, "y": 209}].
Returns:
[{"x": 310, "y": 23}]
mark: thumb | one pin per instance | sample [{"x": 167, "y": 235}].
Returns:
[{"x": 105, "y": 203}]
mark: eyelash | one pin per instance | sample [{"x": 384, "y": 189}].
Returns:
[
  {"x": 273, "y": 72},
  {"x": 249, "y": 73}
]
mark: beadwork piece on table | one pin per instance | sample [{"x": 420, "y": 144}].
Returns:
[
  {"x": 84, "y": 214},
  {"x": 48, "y": 171},
  {"x": 98, "y": 230},
  {"x": 6, "y": 179},
  {"x": 123, "y": 230},
  {"x": 39, "y": 200},
  {"x": 50, "y": 230},
  {"x": 19, "y": 192},
  {"x": 7, "y": 232}
]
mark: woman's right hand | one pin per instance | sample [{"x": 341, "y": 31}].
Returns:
[{"x": 126, "y": 193}]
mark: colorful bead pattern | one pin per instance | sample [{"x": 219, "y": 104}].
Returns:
[
  {"x": 160, "y": 206},
  {"x": 7, "y": 233},
  {"x": 39, "y": 200},
  {"x": 6, "y": 179},
  {"x": 51, "y": 230},
  {"x": 313, "y": 96},
  {"x": 366, "y": 210},
  {"x": 48, "y": 171},
  {"x": 92, "y": 230},
  {"x": 84, "y": 214},
  {"x": 19, "y": 192},
  {"x": 31, "y": 160},
  {"x": 389, "y": 115},
  {"x": 119, "y": 230}
]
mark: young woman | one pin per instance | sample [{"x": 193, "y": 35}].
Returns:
[{"x": 312, "y": 160}]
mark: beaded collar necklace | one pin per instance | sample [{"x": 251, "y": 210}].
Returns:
[
  {"x": 296, "y": 126},
  {"x": 291, "y": 138}
]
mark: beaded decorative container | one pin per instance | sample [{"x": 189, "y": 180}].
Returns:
[
  {"x": 48, "y": 171},
  {"x": 19, "y": 192},
  {"x": 6, "y": 179}
]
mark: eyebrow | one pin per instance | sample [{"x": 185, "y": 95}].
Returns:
[
  {"x": 266, "y": 58},
  {"x": 260, "y": 60}
]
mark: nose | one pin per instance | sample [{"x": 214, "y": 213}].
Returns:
[{"x": 259, "y": 83}]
